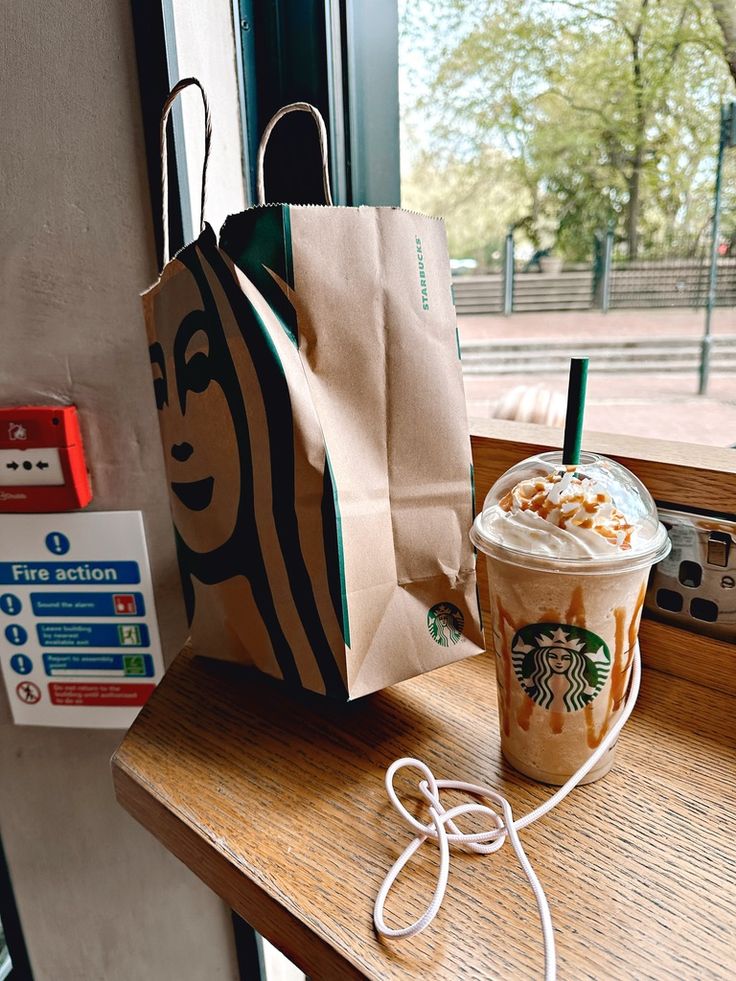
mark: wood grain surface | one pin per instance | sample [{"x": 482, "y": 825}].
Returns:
[
  {"x": 703, "y": 477},
  {"x": 277, "y": 802},
  {"x": 695, "y": 657}
]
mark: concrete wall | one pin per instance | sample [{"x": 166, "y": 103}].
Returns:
[{"x": 98, "y": 897}]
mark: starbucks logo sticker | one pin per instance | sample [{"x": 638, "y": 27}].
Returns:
[
  {"x": 445, "y": 624},
  {"x": 560, "y": 667}
]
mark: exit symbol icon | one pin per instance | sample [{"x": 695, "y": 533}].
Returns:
[{"x": 130, "y": 636}]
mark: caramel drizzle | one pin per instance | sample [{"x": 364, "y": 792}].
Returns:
[
  {"x": 619, "y": 670},
  {"x": 503, "y": 619},
  {"x": 524, "y": 715},
  {"x": 535, "y": 497}
]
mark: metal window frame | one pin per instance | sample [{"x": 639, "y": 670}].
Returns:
[
  {"x": 21, "y": 965},
  {"x": 372, "y": 54},
  {"x": 342, "y": 56},
  {"x": 155, "y": 46}
]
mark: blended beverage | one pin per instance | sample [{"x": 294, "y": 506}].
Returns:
[{"x": 569, "y": 550}]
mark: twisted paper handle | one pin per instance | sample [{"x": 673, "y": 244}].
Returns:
[
  {"x": 321, "y": 133},
  {"x": 170, "y": 100}
]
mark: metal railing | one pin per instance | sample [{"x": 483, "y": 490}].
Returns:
[{"x": 606, "y": 284}]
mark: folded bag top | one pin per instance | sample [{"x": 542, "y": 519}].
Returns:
[{"x": 308, "y": 381}]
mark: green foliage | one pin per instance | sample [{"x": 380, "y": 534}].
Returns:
[
  {"x": 558, "y": 116},
  {"x": 473, "y": 196}
]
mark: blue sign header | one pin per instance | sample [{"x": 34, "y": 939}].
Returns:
[{"x": 68, "y": 573}]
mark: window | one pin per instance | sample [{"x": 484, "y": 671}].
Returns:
[{"x": 572, "y": 149}]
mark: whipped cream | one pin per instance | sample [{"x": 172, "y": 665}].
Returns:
[{"x": 561, "y": 514}]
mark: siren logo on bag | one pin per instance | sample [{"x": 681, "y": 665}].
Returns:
[
  {"x": 199, "y": 363},
  {"x": 445, "y": 624},
  {"x": 559, "y": 666}
]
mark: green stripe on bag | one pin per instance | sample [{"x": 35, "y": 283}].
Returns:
[
  {"x": 279, "y": 420},
  {"x": 259, "y": 243},
  {"x": 332, "y": 531}
]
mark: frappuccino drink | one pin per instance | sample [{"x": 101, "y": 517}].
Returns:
[{"x": 569, "y": 549}]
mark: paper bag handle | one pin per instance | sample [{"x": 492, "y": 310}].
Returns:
[
  {"x": 317, "y": 116},
  {"x": 170, "y": 99}
]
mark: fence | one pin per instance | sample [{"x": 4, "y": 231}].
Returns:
[
  {"x": 570, "y": 290},
  {"x": 609, "y": 283},
  {"x": 670, "y": 283}
]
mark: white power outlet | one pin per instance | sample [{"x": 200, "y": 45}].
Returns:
[{"x": 31, "y": 468}]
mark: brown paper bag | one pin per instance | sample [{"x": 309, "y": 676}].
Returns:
[{"x": 311, "y": 403}]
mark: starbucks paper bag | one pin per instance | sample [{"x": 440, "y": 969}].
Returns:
[{"x": 313, "y": 418}]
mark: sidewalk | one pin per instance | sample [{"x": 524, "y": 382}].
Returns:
[
  {"x": 563, "y": 324},
  {"x": 665, "y": 406}
]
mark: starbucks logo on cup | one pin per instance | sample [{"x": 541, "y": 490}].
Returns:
[
  {"x": 560, "y": 667},
  {"x": 445, "y": 624}
]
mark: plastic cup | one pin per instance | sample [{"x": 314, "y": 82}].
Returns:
[{"x": 565, "y": 623}]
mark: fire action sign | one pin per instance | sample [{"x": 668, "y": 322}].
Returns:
[{"x": 79, "y": 642}]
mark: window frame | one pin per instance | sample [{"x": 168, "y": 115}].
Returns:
[
  {"x": 14, "y": 939},
  {"x": 327, "y": 52}
]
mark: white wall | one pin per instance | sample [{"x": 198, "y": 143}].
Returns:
[{"x": 98, "y": 897}]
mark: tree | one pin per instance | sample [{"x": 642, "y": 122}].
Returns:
[
  {"x": 725, "y": 14},
  {"x": 473, "y": 197},
  {"x": 599, "y": 106}
]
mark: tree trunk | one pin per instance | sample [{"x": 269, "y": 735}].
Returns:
[
  {"x": 640, "y": 124},
  {"x": 725, "y": 13},
  {"x": 632, "y": 207}
]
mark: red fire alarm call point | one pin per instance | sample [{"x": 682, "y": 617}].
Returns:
[{"x": 42, "y": 466}]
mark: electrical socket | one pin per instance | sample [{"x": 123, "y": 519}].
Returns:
[
  {"x": 695, "y": 586},
  {"x": 31, "y": 468}
]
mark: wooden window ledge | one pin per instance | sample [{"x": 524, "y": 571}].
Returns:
[{"x": 277, "y": 803}]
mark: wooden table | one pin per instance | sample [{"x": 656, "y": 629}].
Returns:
[{"x": 277, "y": 803}]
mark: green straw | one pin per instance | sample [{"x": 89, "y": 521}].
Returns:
[{"x": 575, "y": 411}]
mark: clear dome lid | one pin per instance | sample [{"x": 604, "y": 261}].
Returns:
[{"x": 542, "y": 513}]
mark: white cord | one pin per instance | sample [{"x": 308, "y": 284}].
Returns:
[{"x": 482, "y": 842}]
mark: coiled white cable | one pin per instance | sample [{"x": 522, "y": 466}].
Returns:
[{"x": 482, "y": 842}]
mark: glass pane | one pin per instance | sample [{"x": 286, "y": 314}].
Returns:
[
  {"x": 572, "y": 149},
  {"x": 5, "y": 963},
  {"x": 278, "y": 967}
]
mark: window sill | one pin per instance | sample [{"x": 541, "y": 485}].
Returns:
[{"x": 277, "y": 804}]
